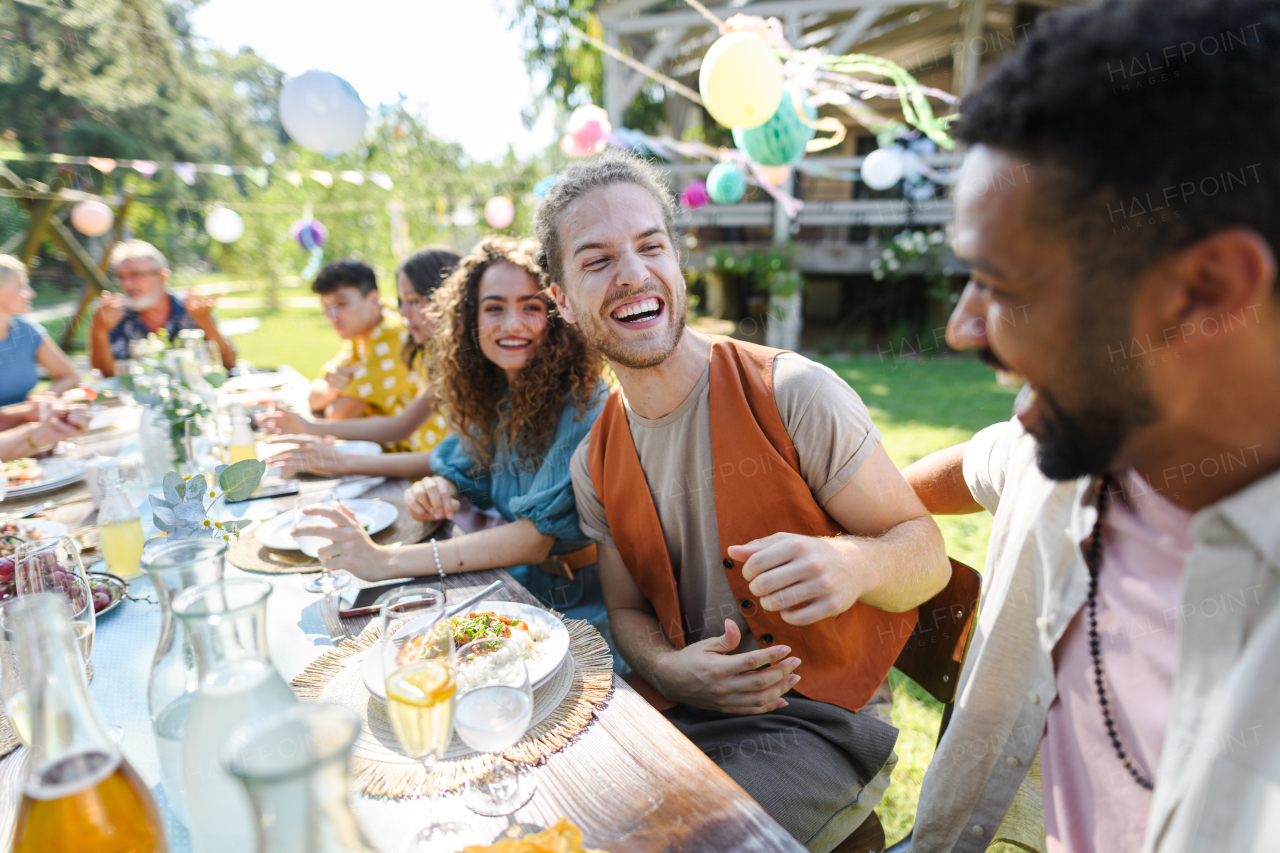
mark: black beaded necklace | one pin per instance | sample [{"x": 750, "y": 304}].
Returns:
[{"x": 1093, "y": 559}]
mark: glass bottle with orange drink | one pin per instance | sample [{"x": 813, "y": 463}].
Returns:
[{"x": 80, "y": 794}]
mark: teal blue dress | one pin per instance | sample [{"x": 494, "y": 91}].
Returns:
[{"x": 540, "y": 490}]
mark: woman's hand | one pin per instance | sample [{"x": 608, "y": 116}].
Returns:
[
  {"x": 313, "y": 455},
  {"x": 283, "y": 421},
  {"x": 431, "y": 499},
  {"x": 350, "y": 546}
]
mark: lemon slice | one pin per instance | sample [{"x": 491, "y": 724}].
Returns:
[{"x": 423, "y": 683}]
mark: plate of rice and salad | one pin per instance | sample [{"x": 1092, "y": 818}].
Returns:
[{"x": 544, "y": 637}]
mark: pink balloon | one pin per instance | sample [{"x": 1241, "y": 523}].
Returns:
[
  {"x": 569, "y": 145},
  {"x": 695, "y": 195},
  {"x": 499, "y": 212}
]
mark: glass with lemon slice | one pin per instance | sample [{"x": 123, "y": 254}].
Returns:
[{"x": 421, "y": 675}]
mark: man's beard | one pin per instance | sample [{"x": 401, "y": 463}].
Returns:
[
  {"x": 143, "y": 303},
  {"x": 1083, "y": 444},
  {"x": 597, "y": 333},
  {"x": 1087, "y": 440}
]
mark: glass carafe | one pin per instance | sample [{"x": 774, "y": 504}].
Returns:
[
  {"x": 226, "y": 621},
  {"x": 295, "y": 765},
  {"x": 119, "y": 525},
  {"x": 176, "y": 566},
  {"x": 80, "y": 794}
]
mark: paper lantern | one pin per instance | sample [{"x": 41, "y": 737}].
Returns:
[
  {"x": 695, "y": 195},
  {"x": 781, "y": 139},
  {"x": 92, "y": 218},
  {"x": 224, "y": 225},
  {"x": 499, "y": 212},
  {"x": 741, "y": 80},
  {"x": 309, "y": 233},
  {"x": 776, "y": 176},
  {"x": 590, "y": 128},
  {"x": 543, "y": 186},
  {"x": 321, "y": 111},
  {"x": 726, "y": 184},
  {"x": 883, "y": 168}
]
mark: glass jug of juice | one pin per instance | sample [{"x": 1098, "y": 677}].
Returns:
[
  {"x": 119, "y": 526},
  {"x": 80, "y": 794}
]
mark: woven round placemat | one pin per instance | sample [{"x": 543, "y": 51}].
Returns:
[
  {"x": 382, "y": 770},
  {"x": 8, "y": 739},
  {"x": 251, "y": 555}
]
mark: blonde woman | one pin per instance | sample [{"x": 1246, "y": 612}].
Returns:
[{"x": 24, "y": 343}]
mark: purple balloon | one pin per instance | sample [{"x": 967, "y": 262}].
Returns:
[{"x": 309, "y": 232}]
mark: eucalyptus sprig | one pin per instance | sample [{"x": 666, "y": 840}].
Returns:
[{"x": 182, "y": 512}]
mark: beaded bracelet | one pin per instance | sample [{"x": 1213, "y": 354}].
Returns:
[{"x": 435, "y": 549}]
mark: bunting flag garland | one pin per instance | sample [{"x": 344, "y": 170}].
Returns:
[{"x": 187, "y": 172}]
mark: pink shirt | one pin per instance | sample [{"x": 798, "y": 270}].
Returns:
[{"x": 1091, "y": 804}]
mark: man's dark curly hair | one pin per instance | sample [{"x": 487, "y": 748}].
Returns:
[
  {"x": 1155, "y": 123},
  {"x": 345, "y": 273}
]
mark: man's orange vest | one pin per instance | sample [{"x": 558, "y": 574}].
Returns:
[{"x": 759, "y": 491}]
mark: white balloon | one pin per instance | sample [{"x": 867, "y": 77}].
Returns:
[
  {"x": 322, "y": 112},
  {"x": 883, "y": 168},
  {"x": 224, "y": 225},
  {"x": 92, "y": 218}
]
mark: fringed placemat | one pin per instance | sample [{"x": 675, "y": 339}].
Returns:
[
  {"x": 8, "y": 740},
  {"x": 583, "y": 684},
  {"x": 251, "y": 555}
]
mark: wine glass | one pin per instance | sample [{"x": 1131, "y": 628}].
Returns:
[
  {"x": 419, "y": 666},
  {"x": 492, "y": 711},
  {"x": 52, "y": 564},
  {"x": 327, "y": 581}
]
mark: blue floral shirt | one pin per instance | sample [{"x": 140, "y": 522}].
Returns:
[
  {"x": 537, "y": 489},
  {"x": 131, "y": 328}
]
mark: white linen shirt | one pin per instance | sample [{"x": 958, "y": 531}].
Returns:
[{"x": 1218, "y": 782}]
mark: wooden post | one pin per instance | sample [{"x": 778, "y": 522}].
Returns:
[
  {"x": 61, "y": 235},
  {"x": 40, "y": 212}
]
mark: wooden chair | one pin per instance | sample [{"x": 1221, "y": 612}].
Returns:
[{"x": 932, "y": 658}]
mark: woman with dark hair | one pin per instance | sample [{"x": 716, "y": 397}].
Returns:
[
  {"x": 522, "y": 389},
  {"x": 419, "y": 423}
]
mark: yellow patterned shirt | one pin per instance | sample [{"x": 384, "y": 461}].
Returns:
[{"x": 385, "y": 383}]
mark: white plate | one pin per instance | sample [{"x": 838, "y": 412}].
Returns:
[
  {"x": 556, "y": 645},
  {"x": 277, "y": 532},
  {"x": 358, "y": 448},
  {"x": 57, "y": 473},
  {"x": 47, "y": 528}
]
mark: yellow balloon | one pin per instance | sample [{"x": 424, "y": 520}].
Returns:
[{"x": 741, "y": 80}]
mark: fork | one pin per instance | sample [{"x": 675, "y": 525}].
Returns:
[{"x": 332, "y": 622}]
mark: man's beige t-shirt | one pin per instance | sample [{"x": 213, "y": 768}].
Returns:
[{"x": 833, "y": 435}]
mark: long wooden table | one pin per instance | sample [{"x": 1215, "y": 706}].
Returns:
[{"x": 631, "y": 781}]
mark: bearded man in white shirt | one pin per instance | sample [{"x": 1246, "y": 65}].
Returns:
[{"x": 1120, "y": 213}]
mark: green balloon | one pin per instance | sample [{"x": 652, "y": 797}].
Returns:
[
  {"x": 779, "y": 141},
  {"x": 726, "y": 184}
]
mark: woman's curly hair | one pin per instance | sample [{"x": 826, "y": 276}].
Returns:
[{"x": 483, "y": 411}]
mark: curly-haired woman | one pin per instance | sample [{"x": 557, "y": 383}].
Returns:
[{"x": 522, "y": 389}]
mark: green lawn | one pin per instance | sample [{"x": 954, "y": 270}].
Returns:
[
  {"x": 299, "y": 337},
  {"x": 920, "y": 407}
]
